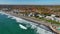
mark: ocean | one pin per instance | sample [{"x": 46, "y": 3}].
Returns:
[{"x": 13, "y": 25}]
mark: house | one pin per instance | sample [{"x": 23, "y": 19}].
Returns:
[
  {"x": 57, "y": 19},
  {"x": 41, "y": 15},
  {"x": 49, "y": 18}
]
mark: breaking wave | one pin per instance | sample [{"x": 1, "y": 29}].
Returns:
[
  {"x": 23, "y": 27},
  {"x": 38, "y": 29}
]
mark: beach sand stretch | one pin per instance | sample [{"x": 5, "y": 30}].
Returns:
[{"x": 34, "y": 20}]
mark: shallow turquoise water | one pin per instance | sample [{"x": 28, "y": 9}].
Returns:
[{"x": 11, "y": 26}]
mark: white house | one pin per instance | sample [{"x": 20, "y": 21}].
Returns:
[
  {"x": 40, "y": 15},
  {"x": 52, "y": 17},
  {"x": 57, "y": 19},
  {"x": 49, "y": 17}
]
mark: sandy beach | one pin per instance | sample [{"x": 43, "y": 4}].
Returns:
[{"x": 34, "y": 20}]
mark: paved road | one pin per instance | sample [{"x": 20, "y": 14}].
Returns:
[{"x": 30, "y": 19}]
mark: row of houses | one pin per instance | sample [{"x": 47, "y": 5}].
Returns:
[
  {"x": 35, "y": 12},
  {"x": 41, "y": 10},
  {"x": 52, "y": 17}
]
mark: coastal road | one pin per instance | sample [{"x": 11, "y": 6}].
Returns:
[{"x": 32, "y": 19}]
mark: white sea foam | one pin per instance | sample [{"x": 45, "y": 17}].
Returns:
[
  {"x": 33, "y": 25},
  {"x": 17, "y": 19},
  {"x": 3, "y": 13},
  {"x": 23, "y": 27},
  {"x": 42, "y": 31}
]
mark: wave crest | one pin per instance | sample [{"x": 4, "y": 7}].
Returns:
[{"x": 38, "y": 30}]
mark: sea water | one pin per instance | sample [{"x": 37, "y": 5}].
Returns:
[{"x": 13, "y": 25}]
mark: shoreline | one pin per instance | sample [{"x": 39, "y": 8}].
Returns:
[{"x": 24, "y": 17}]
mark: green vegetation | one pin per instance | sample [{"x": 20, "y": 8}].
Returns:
[
  {"x": 53, "y": 22},
  {"x": 50, "y": 21}
]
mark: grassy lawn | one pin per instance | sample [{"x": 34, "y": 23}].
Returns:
[
  {"x": 53, "y": 22},
  {"x": 50, "y": 21}
]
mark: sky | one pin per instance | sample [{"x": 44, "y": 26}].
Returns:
[{"x": 30, "y": 2}]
